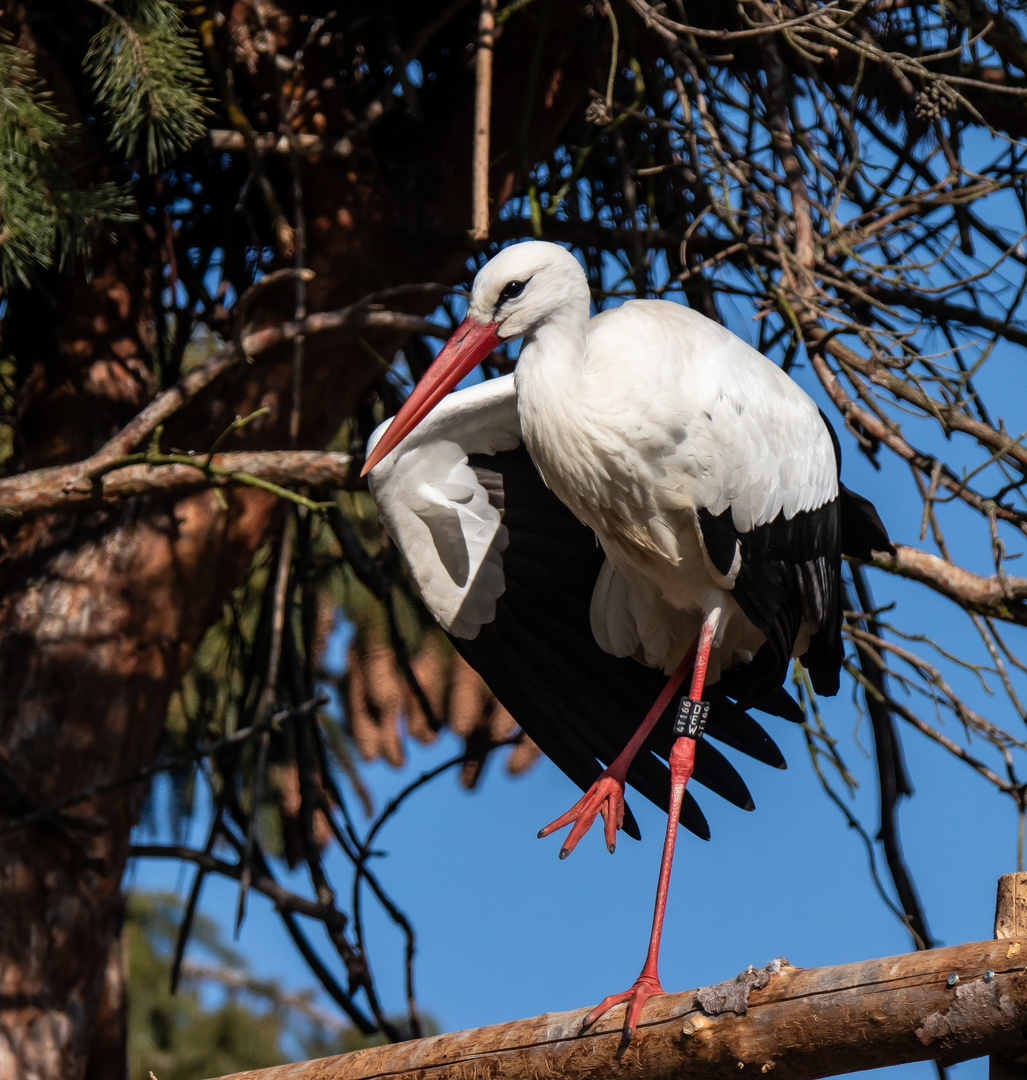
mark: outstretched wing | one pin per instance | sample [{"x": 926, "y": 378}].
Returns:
[
  {"x": 525, "y": 625},
  {"x": 433, "y": 506},
  {"x": 540, "y": 658}
]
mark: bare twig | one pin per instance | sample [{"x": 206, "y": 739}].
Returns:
[
  {"x": 267, "y": 700},
  {"x": 482, "y": 120}
]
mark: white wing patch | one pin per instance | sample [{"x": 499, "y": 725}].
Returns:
[{"x": 439, "y": 516}]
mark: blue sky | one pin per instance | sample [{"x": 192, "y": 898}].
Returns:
[{"x": 506, "y": 930}]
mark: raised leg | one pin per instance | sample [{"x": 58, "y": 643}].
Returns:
[
  {"x": 682, "y": 761},
  {"x": 606, "y": 795}
]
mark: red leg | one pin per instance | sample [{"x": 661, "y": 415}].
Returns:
[
  {"x": 682, "y": 761},
  {"x": 606, "y": 795}
]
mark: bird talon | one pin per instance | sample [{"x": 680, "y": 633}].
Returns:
[
  {"x": 644, "y": 987},
  {"x": 606, "y": 798}
]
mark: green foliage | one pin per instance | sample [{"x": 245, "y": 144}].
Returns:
[
  {"x": 174, "y": 1035},
  {"x": 45, "y": 215},
  {"x": 183, "y": 1036},
  {"x": 148, "y": 76}
]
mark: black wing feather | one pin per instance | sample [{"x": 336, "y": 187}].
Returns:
[
  {"x": 579, "y": 704},
  {"x": 863, "y": 532},
  {"x": 790, "y": 571}
]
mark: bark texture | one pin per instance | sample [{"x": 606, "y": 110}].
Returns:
[{"x": 782, "y": 1020}]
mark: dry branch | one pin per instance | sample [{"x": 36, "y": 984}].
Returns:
[
  {"x": 72, "y": 487},
  {"x": 355, "y": 317},
  {"x": 110, "y": 475},
  {"x": 799, "y": 1023},
  {"x": 282, "y": 898},
  {"x": 482, "y": 120},
  {"x": 1002, "y": 598}
]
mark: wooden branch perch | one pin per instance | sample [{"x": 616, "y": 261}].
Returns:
[{"x": 947, "y": 1004}]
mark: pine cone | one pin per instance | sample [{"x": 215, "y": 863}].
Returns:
[
  {"x": 467, "y": 698},
  {"x": 429, "y": 668},
  {"x": 373, "y": 699},
  {"x": 522, "y": 757}
]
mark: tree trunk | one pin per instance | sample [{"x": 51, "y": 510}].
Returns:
[{"x": 102, "y": 610}]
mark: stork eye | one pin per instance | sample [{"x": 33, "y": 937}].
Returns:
[{"x": 511, "y": 290}]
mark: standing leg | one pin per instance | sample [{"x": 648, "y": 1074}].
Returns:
[
  {"x": 682, "y": 761},
  {"x": 606, "y": 795}
]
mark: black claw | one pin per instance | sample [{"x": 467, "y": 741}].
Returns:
[
  {"x": 541, "y": 834},
  {"x": 611, "y": 848},
  {"x": 564, "y": 853}
]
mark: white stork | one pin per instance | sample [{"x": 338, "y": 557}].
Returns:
[{"x": 710, "y": 480}]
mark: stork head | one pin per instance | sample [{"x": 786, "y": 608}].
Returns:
[{"x": 523, "y": 288}]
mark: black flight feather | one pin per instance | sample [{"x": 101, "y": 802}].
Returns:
[{"x": 581, "y": 705}]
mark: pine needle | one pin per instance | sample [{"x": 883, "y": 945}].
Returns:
[
  {"x": 148, "y": 76},
  {"x": 46, "y": 217}
]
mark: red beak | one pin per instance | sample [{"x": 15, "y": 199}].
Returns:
[{"x": 471, "y": 342}]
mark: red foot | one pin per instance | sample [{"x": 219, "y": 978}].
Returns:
[
  {"x": 606, "y": 797},
  {"x": 646, "y": 986}
]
